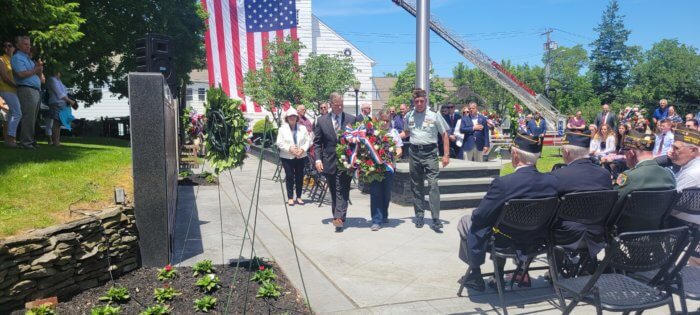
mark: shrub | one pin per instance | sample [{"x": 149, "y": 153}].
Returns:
[
  {"x": 105, "y": 310},
  {"x": 202, "y": 268},
  {"x": 209, "y": 283},
  {"x": 269, "y": 289},
  {"x": 116, "y": 295},
  {"x": 263, "y": 274},
  {"x": 165, "y": 294},
  {"x": 158, "y": 309},
  {"x": 259, "y": 127},
  {"x": 44, "y": 309},
  {"x": 205, "y": 304}
]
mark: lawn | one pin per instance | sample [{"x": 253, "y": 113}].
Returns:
[
  {"x": 39, "y": 186},
  {"x": 550, "y": 156}
]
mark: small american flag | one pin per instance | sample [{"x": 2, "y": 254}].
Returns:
[{"x": 237, "y": 32}]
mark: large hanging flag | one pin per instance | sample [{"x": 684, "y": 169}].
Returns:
[{"x": 236, "y": 34}]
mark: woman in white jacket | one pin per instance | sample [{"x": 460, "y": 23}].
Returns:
[{"x": 293, "y": 141}]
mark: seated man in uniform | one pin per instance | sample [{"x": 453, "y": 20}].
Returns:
[
  {"x": 580, "y": 174},
  {"x": 644, "y": 174},
  {"x": 525, "y": 183}
]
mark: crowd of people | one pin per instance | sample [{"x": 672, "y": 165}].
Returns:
[{"x": 21, "y": 81}]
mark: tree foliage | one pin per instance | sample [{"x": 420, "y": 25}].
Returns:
[
  {"x": 611, "y": 59},
  {"x": 325, "y": 74},
  {"x": 406, "y": 82}
]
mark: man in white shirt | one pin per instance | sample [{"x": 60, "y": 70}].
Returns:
[{"x": 664, "y": 139}]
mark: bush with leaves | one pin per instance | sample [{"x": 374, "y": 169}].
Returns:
[
  {"x": 167, "y": 273},
  {"x": 209, "y": 283},
  {"x": 106, "y": 310},
  {"x": 269, "y": 289},
  {"x": 165, "y": 294},
  {"x": 44, "y": 309},
  {"x": 158, "y": 309},
  {"x": 263, "y": 274},
  {"x": 227, "y": 135},
  {"x": 205, "y": 304},
  {"x": 202, "y": 268},
  {"x": 116, "y": 295}
]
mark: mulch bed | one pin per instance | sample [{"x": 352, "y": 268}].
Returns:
[
  {"x": 143, "y": 281},
  {"x": 196, "y": 180}
]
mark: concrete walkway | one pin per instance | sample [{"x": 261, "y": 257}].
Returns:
[{"x": 398, "y": 269}]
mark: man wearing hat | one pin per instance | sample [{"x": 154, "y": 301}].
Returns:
[
  {"x": 644, "y": 173},
  {"x": 580, "y": 174},
  {"x": 685, "y": 153},
  {"x": 526, "y": 182}
]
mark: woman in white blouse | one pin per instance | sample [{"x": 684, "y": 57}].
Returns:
[
  {"x": 293, "y": 141},
  {"x": 605, "y": 141}
]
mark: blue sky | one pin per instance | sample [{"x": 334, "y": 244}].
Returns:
[{"x": 503, "y": 29}]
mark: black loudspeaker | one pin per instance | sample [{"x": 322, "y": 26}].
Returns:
[{"x": 154, "y": 53}]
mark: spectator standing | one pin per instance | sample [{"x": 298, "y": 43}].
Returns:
[
  {"x": 27, "y": 76},
  {"x": 58, "y": 99},
  {"x": 673, "y": 116},
  {"x": 576, "y": 123},
  {"x": 424, "y": 127},
  {"x": 692, "y": 124},
  {"x": 8, "y": 91},
  {"x": 4, "y": 109},
  {"x": 537, "y": 127},
  {"x": 365, "y": 112},
  {"x": 452, "y": 118},
  {"x": 660, "y": 112},
  {"x": 664, "y": 138},
  {"x": 304, "y": 120},
  {"x": 476, "y": 135},
  {"x": 380, "y": 191},
  {"x": 293, "y": 141},
  {"x": 605, "y": 117}
]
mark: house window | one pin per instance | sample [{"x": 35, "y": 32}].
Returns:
[
  {"x": 202, "y": 93},
  {"x": 189, "y": 94}
]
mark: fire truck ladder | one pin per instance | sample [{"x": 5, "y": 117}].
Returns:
[{"x": 534, "y": 101}]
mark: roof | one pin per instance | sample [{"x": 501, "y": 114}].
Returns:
[{"x": 343, "y": 38}]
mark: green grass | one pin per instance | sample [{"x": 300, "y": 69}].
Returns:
[
  {"x": 550, "y": 156},
  {"x": 39, "y": 186}
]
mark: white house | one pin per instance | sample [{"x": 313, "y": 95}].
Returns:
[{"x": 317, "y": 37}]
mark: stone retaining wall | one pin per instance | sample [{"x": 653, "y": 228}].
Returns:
[{"x": 66, "y": 259}]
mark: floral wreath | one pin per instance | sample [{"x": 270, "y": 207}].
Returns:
[
  {"x": 227, "y": 136},
  {"x": 367, "y": 150}
]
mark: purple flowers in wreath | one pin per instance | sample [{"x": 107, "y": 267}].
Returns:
[{"x": 367, "y": 150}]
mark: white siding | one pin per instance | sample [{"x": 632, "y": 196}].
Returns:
[{"x": 109, "y": 106}]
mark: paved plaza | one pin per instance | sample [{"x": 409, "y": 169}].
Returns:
[{"x": 398, "y": 269}]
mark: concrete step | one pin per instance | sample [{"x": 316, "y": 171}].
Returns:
[
  {"x": 460, "y": 200},
  {"x": 463, "y": 185}
]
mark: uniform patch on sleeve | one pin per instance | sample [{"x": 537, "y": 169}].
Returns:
[{"x": 621, "y": 180}]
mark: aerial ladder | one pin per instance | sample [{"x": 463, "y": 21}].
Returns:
[{"x": 534, "y": 101}]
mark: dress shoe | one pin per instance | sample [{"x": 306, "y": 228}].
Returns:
[
  {"x": 338, "y": 229},
  {"x": 437, "y": 224},
  {"x": 474, "y": 281},
  {"x": 492, "y": 283},
  {"x": 419, "y": 222},
  {"x": 338, "y": 223}
]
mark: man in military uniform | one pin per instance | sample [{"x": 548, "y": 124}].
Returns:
[
  {"x": 644, "y": 174},
  {"x": 685, "y": 153},
  {"x": 525, "y": 183},
  {"x": 580, "y": 174},
  {"x": 424, "y": 126}
]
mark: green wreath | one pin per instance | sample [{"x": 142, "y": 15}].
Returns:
[{"x": 227, "y": 131}]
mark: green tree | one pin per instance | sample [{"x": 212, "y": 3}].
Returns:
[
  {"x": 325, "y": 74},
  {"x": 279, "y": 79},
  {"x": 611, "y": 59},
  {"x": 406, "y": 82},
  {"x": 573, "y": 90},
  {"x": 669, "y": 70},
  {"x": 52, "y": 24}
]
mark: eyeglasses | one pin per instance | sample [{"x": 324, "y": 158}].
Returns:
[{"x": 7, "y": 45}]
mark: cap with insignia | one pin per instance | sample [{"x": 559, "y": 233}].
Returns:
[
  {"x": 638, "y": 141},
  {"x": 578, "y": 139},
  {"x": 527, "y": 143},
  {"x": 687, "y": 135}
]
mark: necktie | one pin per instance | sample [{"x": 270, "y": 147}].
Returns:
[
  {"x": 661, "y": 144},
  {"x": 336, "y": 122},
  {"x": 605, "y": 118}
]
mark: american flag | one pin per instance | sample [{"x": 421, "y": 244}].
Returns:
[{"x": 236, "y": 34}]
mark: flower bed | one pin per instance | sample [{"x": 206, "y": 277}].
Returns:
[{"x": 185, "y": 287}]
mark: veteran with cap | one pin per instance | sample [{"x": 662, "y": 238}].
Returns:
[
  {"x": 524, "y": 183},
  {"x": 644, "y": 174},
  {"x": 424, "y": 126},
  {"x": 579, "y": 175},
  {"x": 685, "y": 152}
]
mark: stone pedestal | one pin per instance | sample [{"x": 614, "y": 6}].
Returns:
[{"x": 154, "y": 118}]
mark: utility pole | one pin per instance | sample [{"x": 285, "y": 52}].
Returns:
[
  {"x": 423, "y": 48},
  {"x": 548, "y": 47}
]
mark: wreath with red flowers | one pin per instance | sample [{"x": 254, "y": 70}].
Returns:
[{"x": 367, "y": 150}]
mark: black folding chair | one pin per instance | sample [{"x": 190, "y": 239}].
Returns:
[
  {"x": 591, "y": 208},
  {"x": 628, "y": 252},
  {"x": 518, "y": 217},
  {"x": 642, "y": 211}
]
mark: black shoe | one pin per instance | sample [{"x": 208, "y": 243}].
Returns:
[
  {"x": 437, "y": 224},
  {"x": 419, "y": 222},
  {"x": 474, "y": 281},
  {"x": 339, "y": 229},
  {"x": 492, "y": 283}
]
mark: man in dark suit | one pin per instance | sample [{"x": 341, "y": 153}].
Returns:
[
  {"x": 537, "y": 126},
  {"x": 605, "y": 117},
  {"x": 580, "y": 175},
  {"x": 365, "y": 112},
  {"x": 476, "y": 135},
  {"x": 452, "y": 118},
  {"x": 526, "y": 182},
  {"x": 325, "y": 141}
]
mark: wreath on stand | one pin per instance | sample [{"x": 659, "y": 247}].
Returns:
[
  {"x": 367, "y": 150},
  {"x": 227, "y": 135}
]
